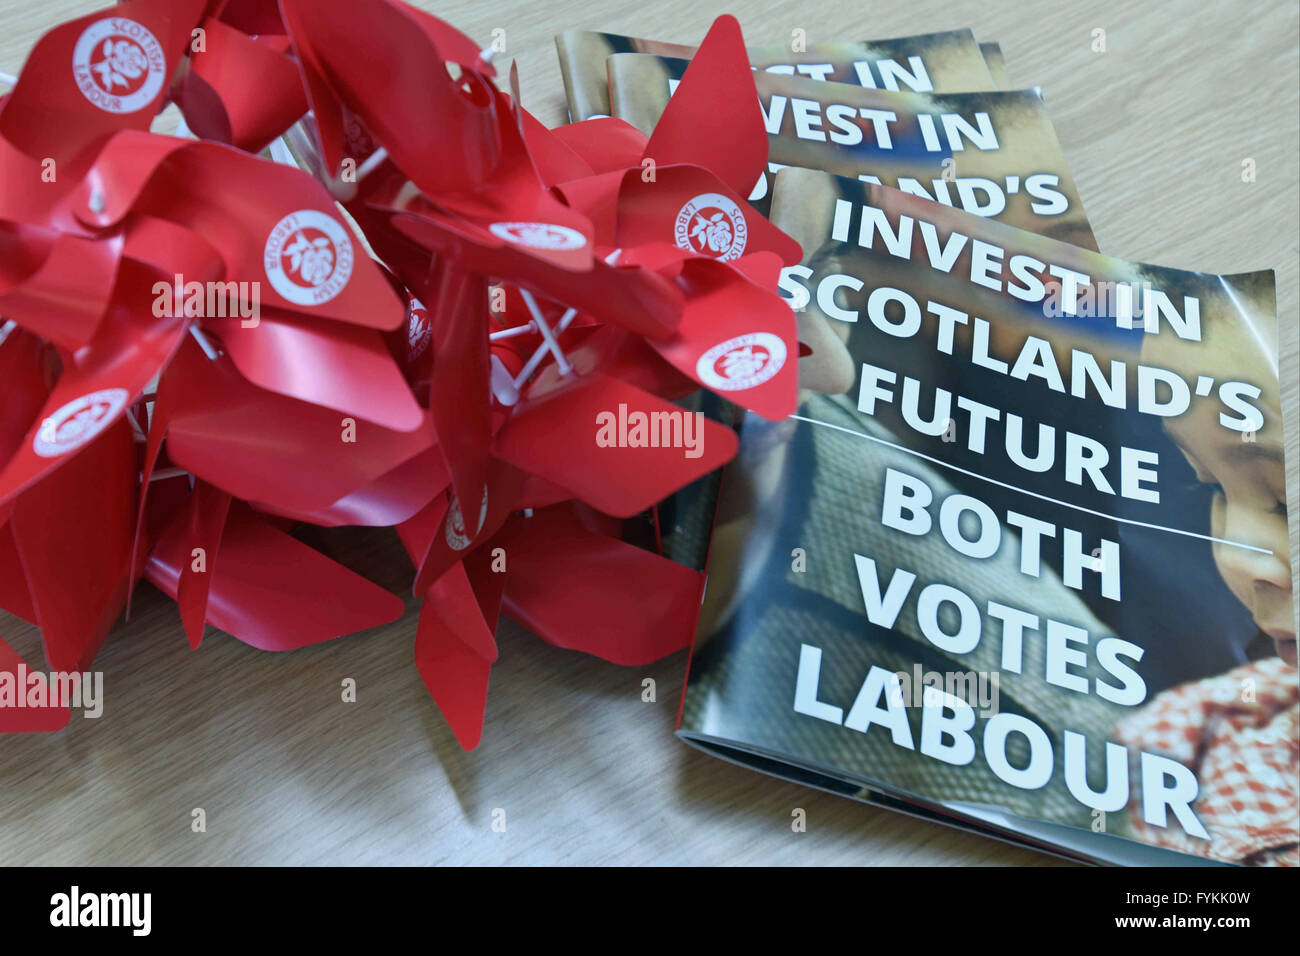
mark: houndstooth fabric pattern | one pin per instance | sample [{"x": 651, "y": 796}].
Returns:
[{"x": 1239, "y": 732}]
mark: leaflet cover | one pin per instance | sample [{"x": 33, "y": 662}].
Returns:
[
  {"x": 991, "y": 153},
  {"x": 997, "y": 64},
  {"x": 933, "y": 61},
  {"x": 1020, "y": 559}
]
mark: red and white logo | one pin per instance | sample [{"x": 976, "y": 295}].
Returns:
[
  {"x": 419, "y": 329},
  {"x": 119, "y": 65},
  {"x": 458, "y": 537},
  {"x": 741, "y": 363},
  {"x": 711, "y": 225},
  {"x": 78, "y": 422},
  {"x": 539, "y": 235},
  {"x": 360, "y": 144},
  {"x": 308, "y": 257}
]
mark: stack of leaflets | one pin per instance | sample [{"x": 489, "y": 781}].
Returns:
[{"x": 1019, "y": 562}]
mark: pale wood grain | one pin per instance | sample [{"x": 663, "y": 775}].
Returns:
[{"x": 1155, "y": 130}]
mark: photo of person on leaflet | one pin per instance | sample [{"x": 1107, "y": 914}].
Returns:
[{"x": 1237, "y": 731}]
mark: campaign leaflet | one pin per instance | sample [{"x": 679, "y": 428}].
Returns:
[
  {"x": 996, "y": 61},
  {"x": 935, "y": 61},
  {"x": 1020, "y": 560},
  {"x": 991, "y": 153}
]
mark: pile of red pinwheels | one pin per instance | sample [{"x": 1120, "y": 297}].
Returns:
[{"x": 370, "y": 289}]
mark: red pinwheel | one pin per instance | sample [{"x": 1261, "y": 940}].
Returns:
[{"x": 193, "y": 369}]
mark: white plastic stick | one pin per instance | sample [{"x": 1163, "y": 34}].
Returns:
[
  {"x": 547, "y": 336},
  {"x": 204, "y": 343},
  {"x": 371, "y": 163},
  {"x": 140, "y": 436},
  {"x": 550, "y": 345},
  {"x": 503, "y": 387},
  {"x": 565, "y": 320},
  {"x": 281, "y": 153},
  {"x": 511, "y": 332}
]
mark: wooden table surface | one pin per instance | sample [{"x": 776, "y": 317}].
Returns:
[{"x": 1155, "y": 130}]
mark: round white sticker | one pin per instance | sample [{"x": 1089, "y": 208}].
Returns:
[
  {"x": 743, "y": 362},
  {"x": 458, "y": 537},
  {"x": 308, "y": 257},
  {"x": 711, "y": 225},
  {"x": 78, "y": 422},
  {"x": 119, "y": 65},
  {"x": 539, "y": 235}
]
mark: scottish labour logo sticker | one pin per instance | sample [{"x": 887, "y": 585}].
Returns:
[
  {"x": 457, "y": 534},
  {"x": 78, "y": 422},
  {"x": 419, "y": 329},
  {"x": 308, "y": 257},
  {"x": 711, "y": 225},
  {"x": 119, "y": 65},
  {"x": 743, "y": 362},
  {"x": 539, "y": 235}
]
